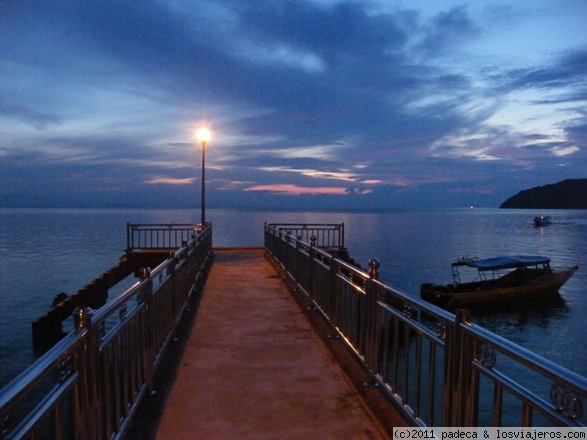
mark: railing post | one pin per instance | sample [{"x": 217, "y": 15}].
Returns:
[
  {"x": 298, "y": 257},
  {"x": 374, "y": 265},
  {"x": 333, "y": 294},
  {"x": 87, "y": 401},
  {"x": 458, "y": 397},
  {"x": 82, "y": 317},
  {"x": 312, "y": 256},
  {"x": 372, "y": 324},
  {"x": 147, "y": 299},
  {"x": 128, "y": 237}
]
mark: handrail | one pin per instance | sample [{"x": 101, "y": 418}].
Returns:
[
  {"x": 326, "y": 234},
  {"x": 89, "y": 385},
  {"x": 159, "y": 236},
  {"x": 437, "y": 368}
]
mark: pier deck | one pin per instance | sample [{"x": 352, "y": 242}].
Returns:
[{"x": 253, "y": 366}]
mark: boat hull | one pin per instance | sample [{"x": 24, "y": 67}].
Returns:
[
  {"x": 536, "y": 284},
  {"x": 542, "y": 221}
]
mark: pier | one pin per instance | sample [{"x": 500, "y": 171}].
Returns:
[
  {"x": 213, "y": 342},
  {"x": 267, "y": 373}
]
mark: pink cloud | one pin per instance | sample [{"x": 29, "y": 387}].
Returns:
[{"x": 294, "y": 190}]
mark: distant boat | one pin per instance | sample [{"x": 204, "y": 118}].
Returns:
[
  {"x": 542, "y": 220},
  {"x": 531, "y": 278}
]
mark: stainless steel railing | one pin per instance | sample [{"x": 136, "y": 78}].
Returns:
[
  {"x": 89, "y": 385},
  {"x": 159, "y": 236},
  {"x": 437, "y": 368},
  {"x": 327, "y": 235}
]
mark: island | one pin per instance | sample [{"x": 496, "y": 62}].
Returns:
[{"x": 568, "y": 194}]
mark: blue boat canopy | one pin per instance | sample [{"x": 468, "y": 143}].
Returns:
[{"x": 507, "y": 262}]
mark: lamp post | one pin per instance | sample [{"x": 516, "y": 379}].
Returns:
[{"x": 203, "y": 136}]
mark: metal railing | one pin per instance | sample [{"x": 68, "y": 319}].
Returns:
[
  {"x": 89, "y": 385},
  {"x": 437, "y": 368},
  {"x": 325, "y": 235},
  {"x": 159, "y": 236}
]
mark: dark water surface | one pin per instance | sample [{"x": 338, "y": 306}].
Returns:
[{"x": 47, "y": 251}]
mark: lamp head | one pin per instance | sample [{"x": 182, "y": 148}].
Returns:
[{"x": 203, "y": 135}]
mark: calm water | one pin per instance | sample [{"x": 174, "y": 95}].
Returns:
[{"x": 46, "y": 251}]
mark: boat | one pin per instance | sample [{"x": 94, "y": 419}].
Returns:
[
  {"x": 542, "y": 220},
  {"x": 499, "y": 280}
]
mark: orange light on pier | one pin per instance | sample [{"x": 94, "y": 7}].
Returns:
[{"x": 203, "y": 136}]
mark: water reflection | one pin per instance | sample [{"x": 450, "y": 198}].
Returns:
[{"x": 514, "y": 320}]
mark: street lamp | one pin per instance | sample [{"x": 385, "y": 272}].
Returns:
[{"x": 203, "y": 136}]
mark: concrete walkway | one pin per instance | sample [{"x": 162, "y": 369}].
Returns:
[{"x": 253, "y": 368}]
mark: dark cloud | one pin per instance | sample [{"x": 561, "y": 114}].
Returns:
[
  {"x": 340, "y": 32},
  {"x": 31, "y": 115},
  {"x": 447, "y": 30},
  {"x": 104, "y": 95},
  {"x": 566, "y": 70}
]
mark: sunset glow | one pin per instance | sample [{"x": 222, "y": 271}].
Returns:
[{"x": 293, "y": 190}]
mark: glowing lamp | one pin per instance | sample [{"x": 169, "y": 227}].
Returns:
[{"x": 203, "y": 136}]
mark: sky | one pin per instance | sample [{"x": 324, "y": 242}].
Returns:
[{"x": 352, "y": 104}]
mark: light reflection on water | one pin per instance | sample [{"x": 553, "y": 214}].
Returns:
[{"x": 46, "y": 251}]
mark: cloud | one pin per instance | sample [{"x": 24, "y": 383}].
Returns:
[
  {"x": 568, "y": 69},
  {"x": 565, "y": 151},
  {"x": 294, "y": 190},
  {"x": 170, "y": 181},
  {"x": 342, "y": 96},
  {"x": 447, "y": 30}
]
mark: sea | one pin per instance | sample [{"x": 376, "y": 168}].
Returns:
[{"x": 47, "y": 251}]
